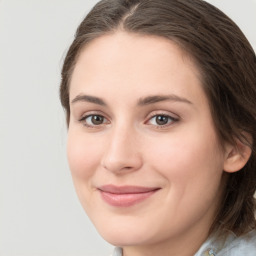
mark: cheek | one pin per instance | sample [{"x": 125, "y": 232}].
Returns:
[
  {"x": 84, "y": 158},
  {"x": 83, "y": 155},
  {"x": 192, "y": 169},
  {"x": 191, "y": 158}
]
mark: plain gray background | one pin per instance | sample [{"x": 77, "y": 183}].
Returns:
[{"x": 39, "y": 212}]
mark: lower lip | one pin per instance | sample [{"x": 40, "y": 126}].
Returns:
[{"x": 125, "y": 200}]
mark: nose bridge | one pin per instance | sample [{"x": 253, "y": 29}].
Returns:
[{"x": 122, "y": 151}]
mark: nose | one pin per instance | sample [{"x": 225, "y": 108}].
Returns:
[{"x": 121, "y": 153}]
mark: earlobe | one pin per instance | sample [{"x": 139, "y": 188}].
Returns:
[{"x": 236, "y": 156}]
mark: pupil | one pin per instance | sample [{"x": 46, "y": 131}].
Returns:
[
  {"x": 162, "y": 120},
  {"x": 97, "y": 120}
]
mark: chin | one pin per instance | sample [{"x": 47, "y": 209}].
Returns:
[
  {"x": 122, "y": 239},
  {"x": 124, "y": 233}
]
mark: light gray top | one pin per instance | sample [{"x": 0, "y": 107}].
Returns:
[{"x": 231, "y": 246}]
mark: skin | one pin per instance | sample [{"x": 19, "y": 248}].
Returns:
[{"x": 182, "y": 158}]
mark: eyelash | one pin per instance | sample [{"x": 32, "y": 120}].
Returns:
[
  {"x": 83, "y": 120},
  {"x": 171, "y": 120}
]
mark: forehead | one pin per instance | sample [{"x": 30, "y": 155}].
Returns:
[{"x": 134, "y": 64}]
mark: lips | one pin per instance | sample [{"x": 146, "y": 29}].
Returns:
[{"x": 125, "y": 196}]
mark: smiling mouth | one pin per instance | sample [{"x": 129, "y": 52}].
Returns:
[{"x": 125, "y": 196}]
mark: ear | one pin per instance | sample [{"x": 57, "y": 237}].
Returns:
[{"x": 237, "y": 155}]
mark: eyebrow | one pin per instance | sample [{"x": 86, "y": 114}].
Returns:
[
  {"x": 141, "y": 102},
  {"x": 158, "y": 98},
  {"x": 88, "y": 98}
]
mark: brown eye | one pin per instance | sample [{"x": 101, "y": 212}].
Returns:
[
  {"x": 93, "y": 120},
  {"x": 97, "y": 120},
  {"x": 162, "y": 120}
]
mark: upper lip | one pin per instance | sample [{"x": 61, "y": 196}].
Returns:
[{"x": 126, "y": 189}]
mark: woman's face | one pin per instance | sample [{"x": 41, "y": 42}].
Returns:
[{"x": 142, "y": 148}]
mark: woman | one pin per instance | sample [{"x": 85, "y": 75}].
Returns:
[{"x": 160, "y": 104}]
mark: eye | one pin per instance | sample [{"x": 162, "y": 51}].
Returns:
[
  {"x": 93, "y": 120},
  {"x": 162, "y": 120}
]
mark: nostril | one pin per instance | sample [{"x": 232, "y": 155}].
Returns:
[
  {"x": 121, "y": 156},
  {"x": 122, "y": 166}
]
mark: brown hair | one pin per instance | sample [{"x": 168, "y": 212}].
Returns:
[{"x": 228, "y": 67}]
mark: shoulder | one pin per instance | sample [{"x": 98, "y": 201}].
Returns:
[
  {"x": 244, "y": 245},
  {"x": 231, "y": 246}
]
